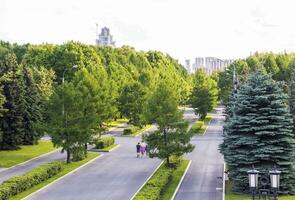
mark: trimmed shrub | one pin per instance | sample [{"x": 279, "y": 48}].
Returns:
[
  {"x": 79, "y": 153},
  {"x": 156, "y": 185},
  {"x": 18, "y": 184},
  {"x": 130, "y": 130},
  {"x": 101, "y": 143}
]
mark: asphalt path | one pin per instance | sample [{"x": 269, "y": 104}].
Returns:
[
  {"x": 115, "y": 176},
  {"x": 201, "y": 181}
]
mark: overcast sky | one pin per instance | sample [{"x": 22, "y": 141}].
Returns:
[{"x": 182, "y": 28}]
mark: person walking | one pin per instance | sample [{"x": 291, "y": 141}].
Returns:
[
  {"x": 138, "y": 149},
  {"x": 142, "y": 148}
]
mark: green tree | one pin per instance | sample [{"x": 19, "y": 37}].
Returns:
[
  {"x": 32, "y": 115},
  {"x": 11, "y": 122},
  {"x": 131, "y": 102},
  {"x": 292, "y": 94},
  {"x": 204, "y": 95},
  {"x": 260, "y": 133},
  {"x": 172, "y": 137}
]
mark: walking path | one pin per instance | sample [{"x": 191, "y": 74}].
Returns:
[
  {"x": 116, "y": 176},
  {"x": 201, "y": 181}
]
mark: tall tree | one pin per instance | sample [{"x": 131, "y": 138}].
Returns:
[
  {"x": 32, "y": 111},
  {"x": 172, "y": 137},
  {"x": 131, "y": 102},
  {"x": 260, "y": 133},
  {"x": 204, "y": 95},
  {"x": 11, "y": 122},
  {"x": 292, "y": 94}
]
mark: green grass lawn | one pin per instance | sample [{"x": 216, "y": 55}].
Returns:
[
  {"x": 200, "y": 126},
  {"x": 67, "y": 168},
  {"x": 176, "y": 176},
  {"x": 107, "y": 149},
  {"x": 116, "y": 123},
  {"x": 140, "y": 131},
  {"x": 27, "y": 152},
  {"x": 231, "y": 196}
]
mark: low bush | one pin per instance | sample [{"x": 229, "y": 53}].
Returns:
[
  {"x": 197, "y": 126},
  {"x": 155, "y": 186},
  {"x": 79, "y": 153},
  {"x": 130, "y": 130},
  {"x": 18, "y": 184},
  {"x": 101, "y": 143}
]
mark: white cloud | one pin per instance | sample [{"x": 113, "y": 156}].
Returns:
[{"x": 186, "y": 28}]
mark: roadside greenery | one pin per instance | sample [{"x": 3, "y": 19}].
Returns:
[
  {"x": 27, "y": 152},
  {"x": 67, "y": 167},
  {"x": 200, "y": 126},
  {"x": 134, "y": 131},
  {"x": 18, "y": 184},
  {"x": 204, "y": 95},
  {"x": 172, "y": 137},
  {"x": 103, "y": 142},
  {"x": 259, "y": 133},
  {"x": 162, "y": 184}
]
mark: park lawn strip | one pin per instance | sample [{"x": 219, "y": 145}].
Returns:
[
  {"x": 10, "y": 158},
  {"x": 66, "y": 169},
  {"x": 163, "y": 183},
  {"x": 139, "y": 131},
  {"x": 200, "y": 126},
  {"x": 107, "y": 149},
  {"x": 229, "y": 195},
  {"x": 116, "y": 123},
  {"x": 176, "y": 177}
]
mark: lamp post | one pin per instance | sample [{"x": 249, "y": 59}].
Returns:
[
  {"x": 275, "y": 182},
  {"x": 264, "y": 181},
  {"x": 253, "y": 181}
]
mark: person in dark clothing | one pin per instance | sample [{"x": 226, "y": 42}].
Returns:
[{"x": 138, "y": 149}]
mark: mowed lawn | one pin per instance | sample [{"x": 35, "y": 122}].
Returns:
[
  {"x": 229, "y": 195},
  {"x": 27, "y": 152}
]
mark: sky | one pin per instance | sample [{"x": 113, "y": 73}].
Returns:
[{"x": 228, "y": 29}]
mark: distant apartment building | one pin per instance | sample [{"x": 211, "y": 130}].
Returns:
[
  {"x": 209, "y": 64},
  {"x": 105, "y": 38},
  {"x": 188, "y": 65}
]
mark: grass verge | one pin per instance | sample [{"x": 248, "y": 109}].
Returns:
[
  {"x": 229, "y": 195},
  {"x": 27, "y": 152},
  {"x": 176, "y": 177},
  {"x": 67, "y": 168},
  {"x": 116, "y": 123},
  {"x": 200, "y": 126},
  {"x": 107, "y": 149},
  {"x": 138, "y": 132},
  {"x": 163, "y": 183}
]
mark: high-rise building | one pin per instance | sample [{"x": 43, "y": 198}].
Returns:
[
  {"x": 105, "y": 38},
  {"x": 188, "y": 65},
  {"x": 209, "y": 64}
]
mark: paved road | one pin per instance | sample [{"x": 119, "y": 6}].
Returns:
[
  {"x": 115, "y": 176},
  {"x": 23, "y": 168},
  {"x": 201, "y": 182}
]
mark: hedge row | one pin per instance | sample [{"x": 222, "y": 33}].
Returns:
[
  {"x": 101, "y": 143},
  {"x": 130, "y": 130},
  {"x": 154, "y": 188},
  {"x": 18, "y": 184}
]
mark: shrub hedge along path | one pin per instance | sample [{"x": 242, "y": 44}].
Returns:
[{"x": 117, "y": 175}]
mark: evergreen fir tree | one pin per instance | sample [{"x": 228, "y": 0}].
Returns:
[
  {"x": 32, "y": 113},
  {"x": 260, "y": 133},
  {"x": 292, "y": 93},
  {"x": 11, "y": 122}
]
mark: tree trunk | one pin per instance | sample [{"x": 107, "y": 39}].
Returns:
[
  {"x": 68, "y": 156},
  {"x": 165, "y": 139}
]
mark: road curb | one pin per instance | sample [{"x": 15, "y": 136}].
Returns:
[
  {"x": 146, "y": 181},
  {"x": 181, "y": 180},
  {"x": 5, "y": 169},
  {"x": 71, "y": 172}
]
